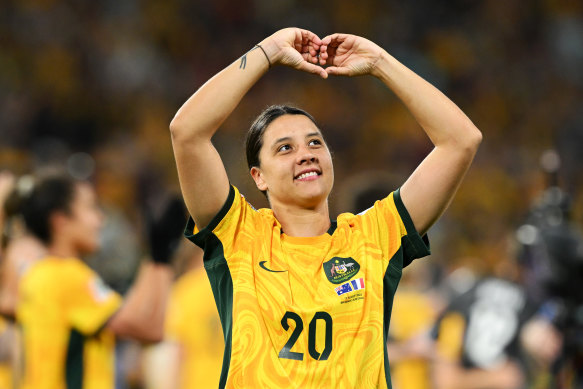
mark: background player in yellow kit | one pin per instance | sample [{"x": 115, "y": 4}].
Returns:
[
  {"x": 304, "y": 301},
  {"x": 69, "y": 317},
  {"x": 192, "y": 351}
]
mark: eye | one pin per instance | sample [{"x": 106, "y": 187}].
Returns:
[
  {"x": 284, "y": 147},
  {"x": 315, "y": 142}
]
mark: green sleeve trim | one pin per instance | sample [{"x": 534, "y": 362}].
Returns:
[
  {"x": 407, "y": 221},
  {"x": 221, "y": 282},
  {"x": 219, "y": 276},
  {"x": 74, "y": 360},
  {"x": 414, "y": 246},
  {"x": 391, "y": 280},
  {"x": 200, "y": 238}
]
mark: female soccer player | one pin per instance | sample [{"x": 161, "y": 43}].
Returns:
[
  {"x": 69, "y": 317},
  {"x": 304, "y": 301}
]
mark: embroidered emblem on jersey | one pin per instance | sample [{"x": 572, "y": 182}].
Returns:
[
  {"x": 350, "y": 286},
  {"x": 339, "y": 270}
]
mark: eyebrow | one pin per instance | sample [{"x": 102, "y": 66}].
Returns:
[{"x": 284, "y": 139}]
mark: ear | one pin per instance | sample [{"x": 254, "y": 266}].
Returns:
[
  {"x": 258, "y": 178},
  {"x": 58, "y": 221}
]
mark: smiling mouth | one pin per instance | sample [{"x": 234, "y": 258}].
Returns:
[{"x": 303, "y": 176}]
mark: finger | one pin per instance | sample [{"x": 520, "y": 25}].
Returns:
[
  {"x": 323, "y": 55},
  {"x": 334, "y": 39},
  {"x": 309, "y": 50},
  {"x": 308, "y": 36},
  {"x": 328, "y": 51},
  {"x": 309, "y": 58},
  {"x": 314, "y": 69},
  {"x": 337, "y": 71}
]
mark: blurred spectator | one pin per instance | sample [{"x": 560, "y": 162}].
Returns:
[
  {"x": 410, "y": 347},
  {"x": 192, "y": 354},
  {"x": 21, "y": 249},
  {"x": 18, "y": 250},
  {"x": 69, "y": 317},
  {"x": 551, "y": 253},
  {"x": 478, "y": 336}
]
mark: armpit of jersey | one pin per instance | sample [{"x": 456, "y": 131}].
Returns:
[{"x": 199, "y": 237}]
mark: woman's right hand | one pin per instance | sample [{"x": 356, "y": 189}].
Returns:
[
  {"x": 296, "y": 48},
  {"x": 349, "y": 55}
]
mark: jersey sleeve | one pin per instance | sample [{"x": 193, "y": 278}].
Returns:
[
  {"x": 235, "y": 217},
  {"x": 388, "y": 223},
  {"x": 90, "y": 302}
]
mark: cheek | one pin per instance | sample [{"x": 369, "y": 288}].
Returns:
[
  {"x": 91, "y": 224},
  {"x": 90, "y": 234}
]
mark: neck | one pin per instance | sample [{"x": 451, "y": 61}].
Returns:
[
  {"x": 60, "y": 249},
  {"x": 302, "y": 222}
]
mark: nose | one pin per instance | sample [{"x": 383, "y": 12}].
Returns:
[{"x": 305, "y": 156}]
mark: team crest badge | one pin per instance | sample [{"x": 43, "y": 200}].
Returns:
[{"x": 339, "y": 270}]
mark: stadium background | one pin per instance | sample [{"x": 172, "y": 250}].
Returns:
[{"x": 92, "y": 86}]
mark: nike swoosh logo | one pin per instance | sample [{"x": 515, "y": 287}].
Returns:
[{"x": 262, "y": 264}]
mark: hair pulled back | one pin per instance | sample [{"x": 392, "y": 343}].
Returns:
[{"x": 50, "y": 194}]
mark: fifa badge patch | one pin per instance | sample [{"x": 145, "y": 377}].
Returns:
[
  {"x": 99, "y": 290},
  {"x": 339, "y": 270}
]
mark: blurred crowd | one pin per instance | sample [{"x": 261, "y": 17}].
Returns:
[
  {"x": 91, "y": 87},
  {"x": 105, "y": 78}
]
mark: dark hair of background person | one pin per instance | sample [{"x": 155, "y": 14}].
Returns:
[{"x": 52, "y": 193}]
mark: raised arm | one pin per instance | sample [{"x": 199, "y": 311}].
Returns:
[
  {"x": 144, "y": 310},
  {"x": 431, "y": 187},
  {"x": 141, "y": 317},
  {"x": 202, "y": 176}
]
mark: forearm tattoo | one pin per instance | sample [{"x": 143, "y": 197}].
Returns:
[
  {"x": 243, "y": 62},
  {"x": 244, "y": 57}
]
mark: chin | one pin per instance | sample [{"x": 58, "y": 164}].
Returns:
[
  {"x": 88, "y": 248},
  {"x": 313, "y": 199}
]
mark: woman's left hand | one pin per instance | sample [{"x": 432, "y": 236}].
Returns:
[{"x": 349, "y": 55}]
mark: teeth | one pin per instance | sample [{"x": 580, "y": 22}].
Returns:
[{"x": 307, "y": 175}]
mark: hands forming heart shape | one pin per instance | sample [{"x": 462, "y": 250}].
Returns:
[{"x": 336, "y": 54}]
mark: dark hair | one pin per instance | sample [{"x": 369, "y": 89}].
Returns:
[
  {"x": 254, "y": 139},
  {"x": 53, "y": 193}
]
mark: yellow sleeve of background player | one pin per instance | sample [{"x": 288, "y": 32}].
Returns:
[{"x": 90, "y": 303}]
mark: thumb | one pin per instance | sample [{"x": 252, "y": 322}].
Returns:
[
  {"x": 337, "y": 71},
  {"x": 314, "y": 69}
]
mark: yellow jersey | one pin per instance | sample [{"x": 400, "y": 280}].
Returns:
[
  {"x": 306, "y": 312},
  {"x": 63, "y": 308},
  {"x": 413, "y": 315},
  {"x": 192, "y": 321}
]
